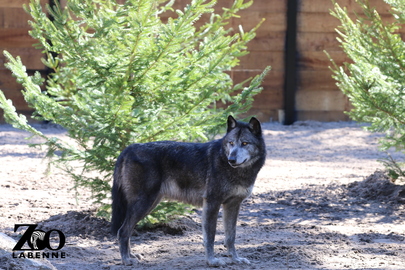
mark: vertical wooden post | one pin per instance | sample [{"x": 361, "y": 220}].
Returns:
[
  {"x": 290, "y": 65},
  {"x": 52, "y": 3}
]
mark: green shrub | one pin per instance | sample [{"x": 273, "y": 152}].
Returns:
[
  {"x": 375, "y": 79},
  {"x": 122, "y": 75}
]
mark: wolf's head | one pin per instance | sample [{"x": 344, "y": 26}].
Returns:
[{"x": 243, "y": 142}]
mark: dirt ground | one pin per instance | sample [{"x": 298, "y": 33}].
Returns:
[{"x": 320, "y": 202}]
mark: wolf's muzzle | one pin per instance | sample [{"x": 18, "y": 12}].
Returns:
[{"x": 233, "y": 162}]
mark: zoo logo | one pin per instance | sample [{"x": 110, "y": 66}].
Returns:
[{"x": 37, "y": 239}]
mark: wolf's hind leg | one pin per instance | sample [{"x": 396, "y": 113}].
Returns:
[
  {"x": 230, "y": 216},
  {"x": 136, "y": 211}
]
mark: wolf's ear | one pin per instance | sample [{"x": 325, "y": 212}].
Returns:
[
  {"x": 231, "y": 123},
  {"x": 255, "y": 126}
]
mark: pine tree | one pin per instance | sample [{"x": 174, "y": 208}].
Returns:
[
  {"x": 375, "y": 79},
  {"x": 122, "y": 75}
]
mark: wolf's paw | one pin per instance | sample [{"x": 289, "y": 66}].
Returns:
[
  {"x": 134, "y": 259},
  {"x": 216, "y": 262},
  {"x": 137, "y": 256},
  {"x": 129, "y": 262},
  {"x": 240, "y": 260}
]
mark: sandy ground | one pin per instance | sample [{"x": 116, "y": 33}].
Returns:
[{"x": 314, "y": 206}]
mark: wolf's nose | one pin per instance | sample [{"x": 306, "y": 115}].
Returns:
[{"x": 232, "y": 160}]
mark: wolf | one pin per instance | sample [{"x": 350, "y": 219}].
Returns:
[{"x": 219, "y": 172}]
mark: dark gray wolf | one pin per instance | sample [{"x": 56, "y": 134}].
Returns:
[{"x": 220, "y": 172}]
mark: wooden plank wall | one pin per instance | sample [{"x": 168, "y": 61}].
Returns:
[
  {"x": 267, "y": 49},
  {"x": 14, "y": 38},
  {"x": 316, "y": 98}
]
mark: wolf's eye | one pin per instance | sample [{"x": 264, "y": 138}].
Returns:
[
  {"x": 231, "y": 143},
  {"x": 245, "y": 143}
]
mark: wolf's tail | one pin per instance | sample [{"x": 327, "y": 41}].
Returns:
[{"x": 119, "y": 205}]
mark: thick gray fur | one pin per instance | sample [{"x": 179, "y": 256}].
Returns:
[{"x": 220, "y": 172}]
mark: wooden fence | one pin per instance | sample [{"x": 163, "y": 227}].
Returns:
[
  {"x": 302, "y": 89},
  {"x": 317, "y": 96}
]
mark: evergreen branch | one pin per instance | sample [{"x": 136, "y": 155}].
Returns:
[
  {"x": 374, "y": 82},
  {"x": 134, "y": 48},
  {"x": 375, "y": 104},
  {"x": 104, "y": 89}
]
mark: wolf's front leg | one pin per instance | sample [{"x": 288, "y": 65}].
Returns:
[
  {"x": 209, "y": 225},
  {"x": 231, "y": 212}
]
